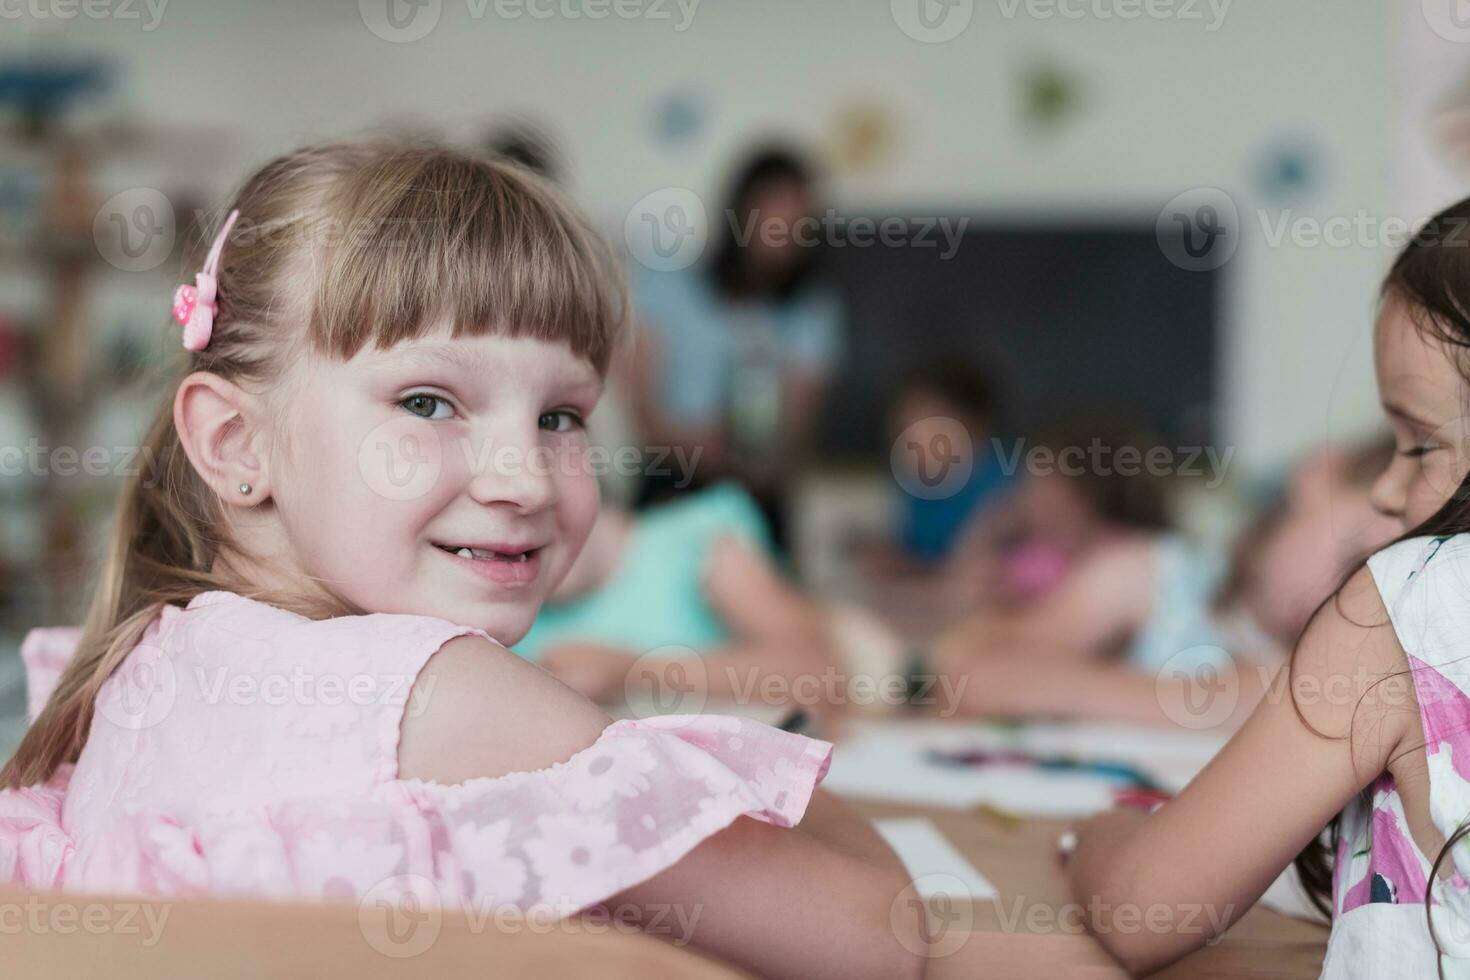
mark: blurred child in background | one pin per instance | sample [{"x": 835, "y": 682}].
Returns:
[
  {"x": 949, "y": 481},
  {"x": 1148, "y": 610},
  {"x": 1058, "y": 516},
  {"x": 1029, "y": 530},
  {"x": 691, "y": 584},
  {"x": 942, "y": 422}
]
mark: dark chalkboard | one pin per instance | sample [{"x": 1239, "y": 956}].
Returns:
[{"x": 1066, "y": 321}]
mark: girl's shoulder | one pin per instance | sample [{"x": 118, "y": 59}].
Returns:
[
  {"x": 1424, "y": 581},
  {"x": 222, "y": 641},
  {"x": 1401, "y": 562},
  {"x": 285, "y": 703},
  {"x": 1424, "y": 584},
  {"x": 250, "y": 635},
  {"x": 225, "y": 621}
]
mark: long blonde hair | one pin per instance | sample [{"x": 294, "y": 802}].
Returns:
[{"x": 337, "y": 246}]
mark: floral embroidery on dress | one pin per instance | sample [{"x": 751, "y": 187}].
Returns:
[
  {"x": 483, "y": 854},
  {"x": 602, "y": 776},
  {"x": 198, "y": 794}
]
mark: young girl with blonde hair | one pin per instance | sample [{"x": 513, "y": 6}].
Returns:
[{"x": 293, "y": 679}]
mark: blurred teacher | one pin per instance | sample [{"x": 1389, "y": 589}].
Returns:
[{"x": 734, "y": 355}]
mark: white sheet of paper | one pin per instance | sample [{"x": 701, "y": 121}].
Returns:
[
  {"x": 880, "y": 765},
  {"x": 932, "y": 861},
  {"x": 886, "y": 761}
]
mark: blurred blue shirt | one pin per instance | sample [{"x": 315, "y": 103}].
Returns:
[
  {"x": 930, "y": 529},
  {"x": 701, "y": 336}
]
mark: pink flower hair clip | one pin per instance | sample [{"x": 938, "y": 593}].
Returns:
[{"x": 195, "y": 306}]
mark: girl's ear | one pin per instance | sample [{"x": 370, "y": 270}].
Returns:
[{"x": 222, "y": 429}]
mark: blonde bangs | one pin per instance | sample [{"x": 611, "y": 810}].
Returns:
[{"x": 422, "y": 237}]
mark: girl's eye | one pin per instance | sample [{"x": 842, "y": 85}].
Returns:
[
  {"x": 427, "y": 406},
  {"x": 560, "y": 421}
]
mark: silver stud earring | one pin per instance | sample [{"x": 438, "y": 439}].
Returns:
[{"x": 245, "y": 488}]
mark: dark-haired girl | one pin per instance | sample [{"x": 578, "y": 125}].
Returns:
[{"x": 1358, "y": 759}]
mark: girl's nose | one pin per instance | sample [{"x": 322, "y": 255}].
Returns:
[
  {"x": 519, "y": 475},
  {"x": 1390, "y": 489}
]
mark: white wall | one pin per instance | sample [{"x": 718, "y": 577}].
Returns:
[{"x": 1169, "y": 105}]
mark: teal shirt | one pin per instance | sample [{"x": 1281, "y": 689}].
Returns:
[{"x": 655, "y": 596}]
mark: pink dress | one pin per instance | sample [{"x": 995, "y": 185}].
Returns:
[{"x": 244, "y": 750}]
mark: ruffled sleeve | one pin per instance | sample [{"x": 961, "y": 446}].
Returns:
[
  {"x": 34, "y": 850},
  {"x": 552, "y": 841}
]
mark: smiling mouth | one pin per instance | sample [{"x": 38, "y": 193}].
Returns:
[{"x": 479, "y": 554}]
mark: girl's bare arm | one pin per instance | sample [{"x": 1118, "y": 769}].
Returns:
[
  {"x": 816, "y": 901},
  {"x": 1207, "y": 855},
  {"x": 1108, "y": 597}
]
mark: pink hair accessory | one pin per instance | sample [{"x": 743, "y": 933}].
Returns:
[{"x": 194, "y": 306}]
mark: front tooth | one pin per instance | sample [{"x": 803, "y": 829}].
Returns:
[
  {"x": 525, "y": 556},
  {"x": 483, "y": 555},
  {"x": 465, "y": 553}
]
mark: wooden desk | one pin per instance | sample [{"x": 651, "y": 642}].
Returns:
[
  {"x": 50, "y": 936},
  {"x": 1021, "y": 861}
]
